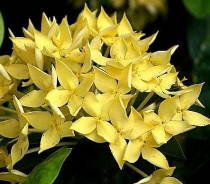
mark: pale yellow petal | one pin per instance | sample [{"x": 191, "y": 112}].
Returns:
[
  {"x": 9, "y": 128},
  {"x": 93, "y": 136},
  {"x": 194, "y": 118},
  {"x": 155, "y": 157},
  {"x": 159, "y": 134},
  {"x": 20, "y": 148},
  {"x": 124, "y": 26},
  {"x": 133, "y": 150},
  {"x": 58, "y": 97},
  {"x": 85, "y": 85},
  {"x": 39, "y": 119},
  {"x": 102, "y": 78},
  {"x": 49, "y": 139},
  {"x": 177, "y": 127},
  {"x": 167, "y": 108},
  {"x": 118, "y": 150},
  {"x": 65, "y": 130},
  {"x": 118, "y": 49},
  {"x": 74, "y": 104},
  {"x": 18, "y": 71},
  {"x": 34, "y": 98},
  {"x": 188, "y": 99},
  {"x": 41, "y": 79},
  {"x": 84, "y": 125},
  {"x": 66, "y": 77},
  {"x": 107, "y": 131},
  {"x": 170, "y": 180},
  {"x": 92, "y": 105},
  {"x": 118, "y": 114}
]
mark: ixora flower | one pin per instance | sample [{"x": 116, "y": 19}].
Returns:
[{"x": 95, "y": 79}]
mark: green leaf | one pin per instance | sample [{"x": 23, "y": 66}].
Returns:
[
  {"x": 1, "y": 29},
  {"x": 173, "y": 150},
  {"x": 198, "y": 8},
  {"x": 48, "y": 170}
]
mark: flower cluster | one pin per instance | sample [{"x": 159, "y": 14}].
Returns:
[{"x": 95, "y": 79}]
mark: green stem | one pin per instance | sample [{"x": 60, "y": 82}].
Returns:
[
  {"x": 149, "y": 96},
  {"x": 34, "y": 130},
  {"x": 136, "y": 169},
  {"x": 132, "y": 101},
  {"x": 36, "y": 149},
  {"x": 8, "y": 110},
  {"x": 4, "y": 118}
]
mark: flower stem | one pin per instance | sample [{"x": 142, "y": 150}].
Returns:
[
  {"x": 149, "y": 96},
  {"x": 136, "y": 169},
  {"x": 8, "y": 110},
  {"x": 36, "y": 149},
  {"x": 34, "y": 130}
]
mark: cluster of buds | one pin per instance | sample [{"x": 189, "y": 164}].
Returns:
[{"x": 95, "y": 79}]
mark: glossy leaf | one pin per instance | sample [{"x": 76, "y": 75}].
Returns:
[
  {"x": 198, "y": 8},
  {"x": 48, "y": 170},
  {"x": 1, "y": 29}
]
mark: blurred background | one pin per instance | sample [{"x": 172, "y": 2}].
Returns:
[{"x": 180, "y": 22}]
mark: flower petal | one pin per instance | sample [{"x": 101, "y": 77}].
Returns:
[
  {"x": 118, "y": 150},
  {"x": 84, "y": 125},
  {"x": 133, "y": 150},
  {"x": 58, "y": 97},
  {"x": 35, "y": 98},
  {"x": 39, "y": 119},
  {"x": 194, "y": 118},
  {"x": 107, "y": 131},
  {"x": 155, "y": 157},
  {"x": 49, "y": 139},
  {"x": 9, "y": 128},
  {"x": 159, "y": 134}
]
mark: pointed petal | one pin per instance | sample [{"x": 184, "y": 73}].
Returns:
[
  {"x": 118, "y": 49},
  {"x": 18, "y": 71},
  {"x": 133, "y": 150},
  {"x": 188, "y": 99},
  {"x": 66, "y": 77},
  {"x": 118, "y": 150},
  {"x": 92, "y": 105},
  {"x": 49, "y": 139},
  {"x": 124, "y": 26},
  {"x": 85, "y": 85},
  {"x": 194, "y": 118},
  {"x": 34, "y": 98},
  {"x": 9, "y": 128},
  {"x": 159, "y": 134},
  {"x": 84, "y": 125},
  {"x": 39, "y": 119},
  {"x": 65, "y": 130},
  {"x": 107, "y": 131},
  {"x": 41, "y": 79},
  {"x": 101, "y": 78},
  {"x": 58, "y": 97},
  {"x": 75, "y": 104},
  {"x": 167, "y": 108},
  {"x": 170, "y": 180},
  {"x": 93, "y": 136},
  {"x": 155, "y": 157},
  {"x": 118, "y": 114},
  {"x": 20, "y": 148},
  {"x": 177, "y": 127}
]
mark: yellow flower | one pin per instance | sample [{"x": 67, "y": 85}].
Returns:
[
  {"x": 71, "y": 91},
  {"x": 13, "y": 128},
  {"x": 5, "y": 83},
  {"x": 185, "y": 101},
  {"x": 127, "y": 127},
  {"x": 96, "y": 127},
  {"x": 161, "y": 176},
  {"x": 54, "y": 126},
  {"x": 44, "y": 82},
  {"x": 145, "y": 145}
]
